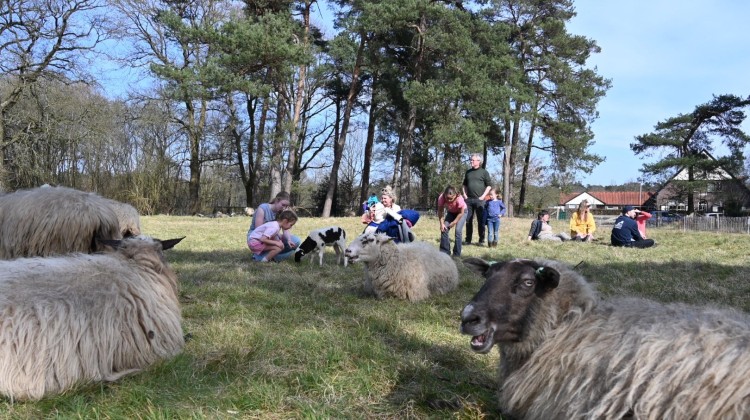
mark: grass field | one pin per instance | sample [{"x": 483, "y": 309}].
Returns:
[{"x": 280, "y": 341}]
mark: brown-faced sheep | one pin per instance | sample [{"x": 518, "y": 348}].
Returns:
[
  {"x": 410, "y": 271},
  {"x": 566, "y": 355},
  {"x": 84, "y": 318},
  {"x": 127, "y": 217},
  {"x": 54, "y": 220}
]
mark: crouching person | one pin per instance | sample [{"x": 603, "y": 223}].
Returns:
[
  {"x": 266, "y": 240},
  {"x": 625, "y": 232}
]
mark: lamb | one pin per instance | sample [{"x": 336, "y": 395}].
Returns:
[
  {"x": 566, "y": 354},
  {"x": 54, "y": 220},
  {"x": 127, "y": 217},
  {"x": 317, "y": 241},
  {"x": 82, "y": 318},
  {"x": 410, "y": 271}
]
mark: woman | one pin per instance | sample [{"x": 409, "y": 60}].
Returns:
[
  {"x": 267, "y": 212},
  {"x": 582, "y": 225},
  {"x": 541, "y": 229},
  {"x": 451, "y": 214}
]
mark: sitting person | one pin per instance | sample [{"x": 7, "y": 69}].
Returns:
[
  {"x": 542, "y": 231},
  {"x": 582, "y": 225},
  {"x": 640, "y": 218},
  {"x": 625, "y": 232},
  {"x": 386, "y": 216}
]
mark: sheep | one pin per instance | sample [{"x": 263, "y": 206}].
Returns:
[
  {"x": 410, "y": 271},
  {"x": 566, "y": 354},
  {"x": 127, "y": 217},
  {"x": 77, "y": 319},
  {"x": 317, "y": 241},
  {"x": 54, "y": 220}
]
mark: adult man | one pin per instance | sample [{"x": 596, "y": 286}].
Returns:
[
  {"x": 625, "y": 232},
  {"x": 476, "y": 186}
]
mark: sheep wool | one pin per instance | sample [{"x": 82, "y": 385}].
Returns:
[
  {"x": 86, "y": 318},
  {"x": 412, "y": 271},
  {"x": 46, "y": 221},
  {"x": 566, "y": 354},
  {"x": 127, "y": 218}
]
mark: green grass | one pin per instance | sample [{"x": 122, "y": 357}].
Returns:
[{"x": 280, "y": 341}]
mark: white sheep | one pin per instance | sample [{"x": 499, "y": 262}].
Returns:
[
  {"x": 410, "y": 271},
  {"x": 127, "y": 217},
  {"x": 54, "y": 220},
  {"x": 564, "y": 354},
  {"x": 318, "y": 239},
  {"x": 84, "y": 318}
]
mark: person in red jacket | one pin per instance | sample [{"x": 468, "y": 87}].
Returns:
[{"x": 640, "y": 218}]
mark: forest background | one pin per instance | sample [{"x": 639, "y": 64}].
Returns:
[{"x": 242, "y": 99}]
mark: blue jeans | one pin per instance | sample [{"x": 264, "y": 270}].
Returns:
[
  {"x": 285, "y": 253},
  {"x": 493, "y": 229},
  {"x": 445, "y": 242}
]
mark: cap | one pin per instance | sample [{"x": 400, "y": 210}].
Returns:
[{"x": 627, "y": 209}]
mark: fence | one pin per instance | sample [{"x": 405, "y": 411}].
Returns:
[{"x": 709, "y": 224}]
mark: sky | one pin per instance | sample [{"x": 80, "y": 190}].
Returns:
[{"x": 664, "y": 58}]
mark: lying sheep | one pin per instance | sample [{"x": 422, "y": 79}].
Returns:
[
  {"x": 317, "y": 241},
  {"x": 85, "y": 318},
  {"x": 410, "y": 271},
  {"x": 565, "y": 354},
  {"x": 54, "y": 220},
  {"x": 127, "y": 217}
]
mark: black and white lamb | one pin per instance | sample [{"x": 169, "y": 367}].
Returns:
[
  {"x": 412, "y": 271},
  {"x": 317, "y": 241},
  {"x": 564, "y": 354}
]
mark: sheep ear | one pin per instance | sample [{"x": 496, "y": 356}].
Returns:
[
  {"x": 170, "y": 243},
  {"x": 547, "y": 278},
  {"x": 477, "y": 265}
]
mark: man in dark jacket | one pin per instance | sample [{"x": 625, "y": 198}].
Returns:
[
  {"x": 625, "y": 232},
  {"x": 476, "y": 186}
]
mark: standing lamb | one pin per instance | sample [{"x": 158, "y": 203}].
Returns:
[
  {"x": 127, "y": 217},
  {"x": 317, "y": 241},
  {"x": 54, "y": 220},
  {"x": 410, "y": 271},
  {"x": 565, "y": 354},
  {"x": 84, "y": 318}
]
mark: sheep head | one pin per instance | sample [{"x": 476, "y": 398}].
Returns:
[
  {"x": 366, "y": 247},
  {"x": 502, "y": 309}
]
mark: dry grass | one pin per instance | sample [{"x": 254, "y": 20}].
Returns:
[{"x": 300, "y": 341}]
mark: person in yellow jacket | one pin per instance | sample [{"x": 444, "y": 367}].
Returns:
[{"x": 582, "y": 225}]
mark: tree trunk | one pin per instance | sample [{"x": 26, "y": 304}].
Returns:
[
  {"x": 338, "y": 146},
  {"x": 364, "y": 190},
  {"x": 293, "y": 140},
  {"x": 277, "y": 149},
  {"x": 507, "y": 169}
]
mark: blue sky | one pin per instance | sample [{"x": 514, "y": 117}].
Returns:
[{"x": 664, "y": 58}]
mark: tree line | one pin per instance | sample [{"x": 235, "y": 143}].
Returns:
[{"x": 248, "y": 98}]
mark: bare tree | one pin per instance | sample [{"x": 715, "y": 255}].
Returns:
[{"x": 38, "y": 38}]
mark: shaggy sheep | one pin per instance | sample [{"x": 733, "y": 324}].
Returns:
[
  {"x": 565, "y": 354},
  {"x": 127, "y": 217},
  {"x": 83, "y": 318},
  {"x": 410, "y": 271},
  {"x": 54, "y": 220},
  {"x": 317, "y": 241}
]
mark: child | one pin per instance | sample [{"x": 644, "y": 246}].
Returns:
[
  {"x": 265, "y": 240},
  {"x": 495, "y": 209}
]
